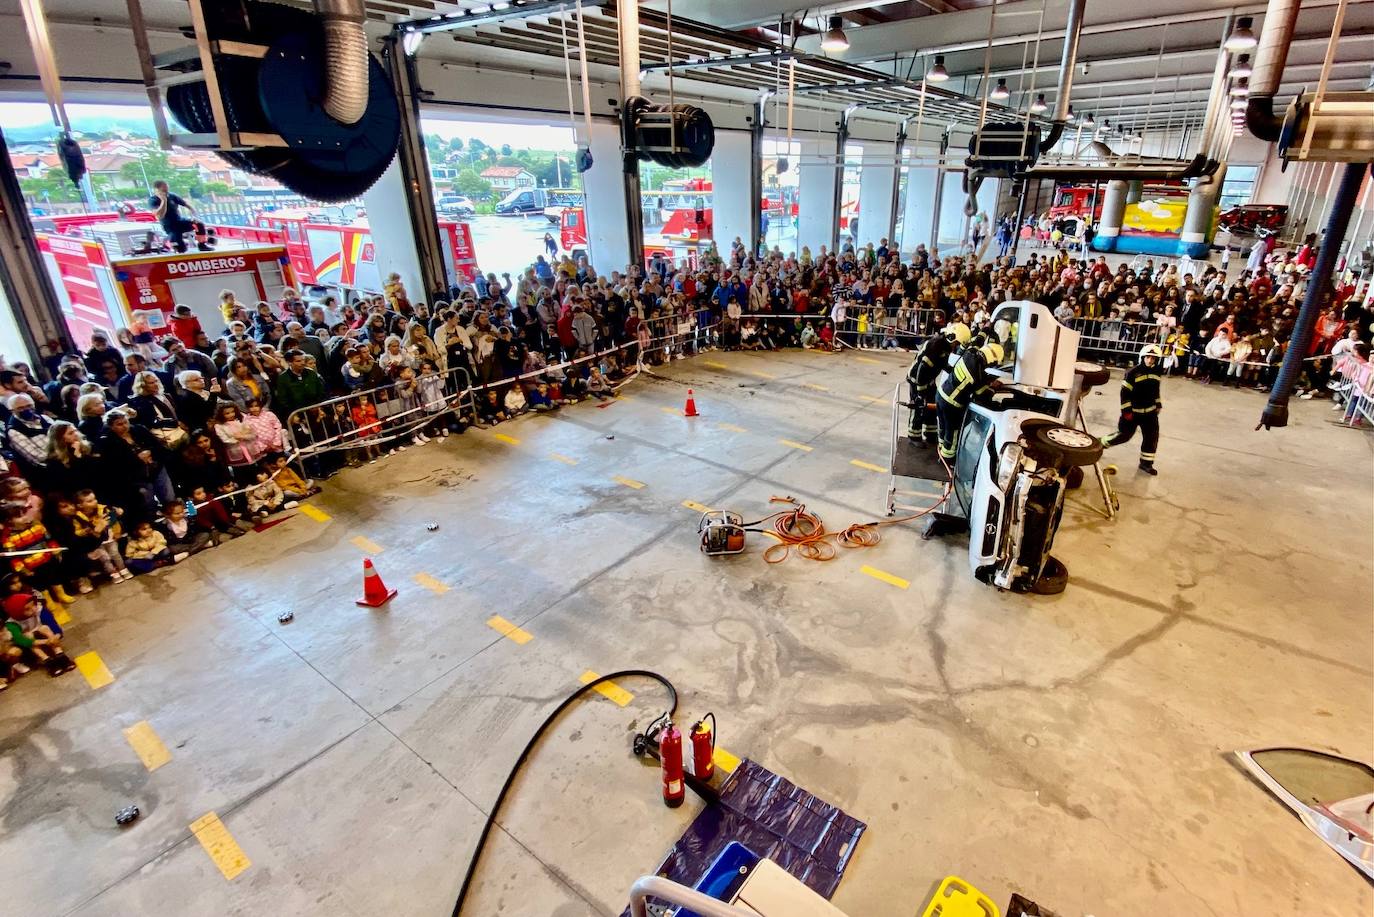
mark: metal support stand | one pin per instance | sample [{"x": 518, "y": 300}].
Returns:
[
  {"x": 628, "y": 14},
  {"x": 897, "y": 147},
  {"x": 414, "y": 165},
  {"x": 1104, "y": 484}
]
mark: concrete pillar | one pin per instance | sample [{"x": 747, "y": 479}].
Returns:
[
  {"x": 733, "y": 202},
  {"x": 818, "y": 178},
  {"x": 877, "y": 184},
  {"x": 608, "y": 237},
  {"x": 1197, "y": 220},
  {"x": 388, "y": 204},
  {"x": 918, "y": 216},
  {"x": 1113, "y": 211}
]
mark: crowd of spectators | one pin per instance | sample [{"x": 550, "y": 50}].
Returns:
[{"x": 164, "y": 442}]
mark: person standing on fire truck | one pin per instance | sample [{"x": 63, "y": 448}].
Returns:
[{"x": 168, "y": 208}]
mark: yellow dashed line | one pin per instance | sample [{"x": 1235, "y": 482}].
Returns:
[
  {"x": 695, "y": 506},
  {"x": 366, "y": 545},
  {"x": 509, "y": 440},
  {"x": 145, "y": 742},
  {"x": 884, "y": 576},
  {"x": 795, "y": 445},
  {"x": 872, "y": 399},
  {"x": 609, "y": 689},
  {"x": 814, "y": 387},
  {"x": 93, "y": 667},
  {"x": 628, "y": 482},
  {"x": 566, "y": 460},
  {"x": 731, "y": 427},
  {"x": 224, "y": 851},
  {"x": 714, "y": 365},
  {"x": 668, "y": 410},
  {"x": 60, "y": 615},
  {"x": 761, "y": 374},
  {"x": 723, "y": 760},
  {"x": 868, "y": 465},
  {"x": 869, "y": 360},
  {"x": 318, "y": 515},
  {"x": 508, "y": 630},
  {"x": 430, "y": 583}
]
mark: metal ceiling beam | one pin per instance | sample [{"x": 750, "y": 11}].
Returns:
[
  {"x": 760, "y": 57},
  {"x": 509, "y": 12}
]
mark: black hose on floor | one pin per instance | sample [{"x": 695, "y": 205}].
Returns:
[{"x": 529, "y": 747}]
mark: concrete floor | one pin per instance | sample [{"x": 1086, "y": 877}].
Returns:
[{"x": 1070, "y": 748}]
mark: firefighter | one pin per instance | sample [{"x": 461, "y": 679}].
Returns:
[
  {"x": 968, "y": 379},
  {"x": 1140, "y": 407},
  {"x": 932, "y": 358}
]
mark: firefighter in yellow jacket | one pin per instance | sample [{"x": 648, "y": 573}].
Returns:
[{"x": 1140, "y": 407}]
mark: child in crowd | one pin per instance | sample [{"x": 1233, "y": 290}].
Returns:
[
  {"x": 410, "y": 412},
  {"x": 72, "y": 566},
  {"x": 431, "y": 390},
  {"x": 99, "y": 531},
  {"x": 32, "y": 637},
  {"x": 366, "y": 428},
  {"x": 268, "y": 435},
  {"x": 214, "y": 519},
  {"x": 292, "y": 485},
  {"x": 809, "y": 338},
  {"x": 147, "y": 549},
  {"x": 489, "y": 407},
  {"x": 515, "y": 402},
  {"x": 827, "y": 335},
  {"x": 537, "y": 394},
  {"x": 598, "y": 387},
  {"x": 183, "y": 538},
  {"x": 265, "y": 497}
]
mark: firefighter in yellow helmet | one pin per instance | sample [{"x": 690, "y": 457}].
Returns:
[
  {"x": 1140, "y": 407},
  {"x": 932, "y": 358},
  {"x": 969, "y": 378}
]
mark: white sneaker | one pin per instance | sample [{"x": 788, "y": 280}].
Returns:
[
  {"x": 179, "y": 557},
  {"x": 20, "y": 668},
  {"x": 1306, "y": 396},
  {"x": 290, "y": 504},
  {"x": 444, "y": 433}
]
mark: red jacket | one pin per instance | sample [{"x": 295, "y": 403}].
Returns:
[
  {"x": 185, "y": 328},
  {"x": 565, "y": 329}
]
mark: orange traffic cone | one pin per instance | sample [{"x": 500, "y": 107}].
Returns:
[
  {"x": 375, "y": 593},
  {"x": 691, "y": 409}
]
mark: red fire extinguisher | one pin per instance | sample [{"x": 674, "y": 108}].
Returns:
[
  {"x": 670, "y": 752},
  {"x": 704, "y": 748}
]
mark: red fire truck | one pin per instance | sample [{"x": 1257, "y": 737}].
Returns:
[{"x": 104, "y": 285}]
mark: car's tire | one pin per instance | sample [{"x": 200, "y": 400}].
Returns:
[
  {"x": 1092, "y": 373},
  {"x": 1068, "y": 445},
  {"x": 1053, "y": 578}
]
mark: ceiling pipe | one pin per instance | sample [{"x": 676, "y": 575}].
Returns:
[
  {"x": 1072, "y": 32},
  {"x": 1217, "y": 97},
  {"x": 1269, "y": 59},
  {"x": 345, "y": 59},
  {"x": 1199, "y": 166}
]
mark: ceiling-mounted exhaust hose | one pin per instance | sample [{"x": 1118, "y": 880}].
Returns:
[
  {"x": 345, "y": 59},
  {"x": 1271, "y": 57},
  {"x": 1073, "y": 29}
]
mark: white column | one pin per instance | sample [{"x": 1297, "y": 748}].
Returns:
[
  {"x": 918, "y": 215},
  {"x": 816, "y": 214},
  {"x": 730, "y": 197},
  {"x": 607, "y": 235},
  {"x": 877, "y": 178},
  {"x": 388, "y": 204}
]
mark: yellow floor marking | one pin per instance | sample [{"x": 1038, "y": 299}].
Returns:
[
  {"x": 795, "y": 445},
  {"x": 430, "y": 583},
  {"x": 318, "y": 515},
  {"x": 731, "y": 427},
  {"x": 510, "y": 440},
  {"x": 509, "y": 630},
  {"x": 145, "y": 742},
  {"x": 884, "y": 576},
  {"x": 715, "y": 365},
  {"x": 693, "y": 505},
  {"x": 366, "y": 545},
  {"x": 668, "y": 410},
  {"x": 224, "y": 851},
  {"x": 94, "y": 668},
  {"x": 566, "y": 460},
  {"x": 61, "y": 616},
  {"x": 724, "y": 760},
  {"x": 871, "y": 398},
  {"x": 868, "y": 465},
  {"x": 761, "y": 374},
  {"x": 814, "y": 387},
  {"x": 609, "y": 689},
  {"x": 628, "y": 482},
  {"x": 868, "y": 360}
]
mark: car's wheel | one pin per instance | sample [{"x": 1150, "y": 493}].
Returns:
[
  {"x": 1053, "y": 578},
  {"x": 1074, "y": 447},
  {"x": 1092, "y": 373}
]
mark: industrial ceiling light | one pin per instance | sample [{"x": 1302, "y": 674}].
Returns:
[
  {"x": 1238, "y": 104},
  {"x": 1000, "y": 91},
  {"x": 1240, "y": 88},
  {"x": 1039, "y": 104},
  {"x": 1072, "y": 119},
  {"x": 835, "y": 39},
  {"x": 410, "y": 42},
  {"x": 1241, "y": 67},
  {"x": 1088, "y": 121},
  {"x": 938, "y": 73},
  {"x": 1242, "y": 37}
]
